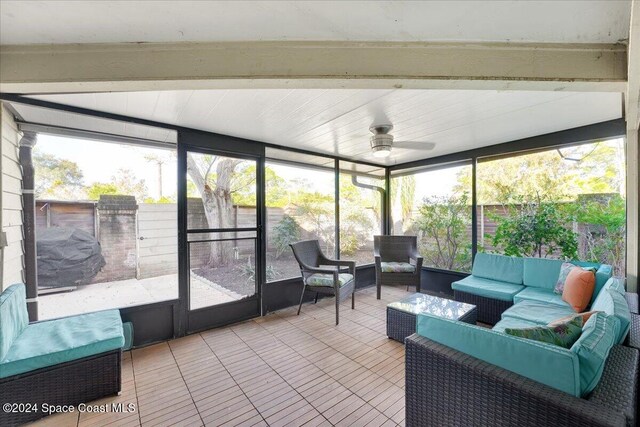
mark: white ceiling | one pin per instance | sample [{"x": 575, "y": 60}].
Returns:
[
  {"x": 336, "y": 121},
  {"x": 25, "y": 22}
]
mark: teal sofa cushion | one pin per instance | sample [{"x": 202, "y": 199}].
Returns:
[
  {"x": 512, "y": 322},
  {"x": 13, "y": 316},
  {"x": 541, "y": 272},
  {"x": 61, "y": 340},
  {"x": 616, "y": 284},
  {"x": 592, "y": 349},
  {"x": 538, "y": 312},
  {"x": 549, "y": 364},
  {"x": 614, "y": 303},
  {"x": 487, "y": 288},
  {"x": 539, "y": 295},
  {"x": 498, "y": 267}
]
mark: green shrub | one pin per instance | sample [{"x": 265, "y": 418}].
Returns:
[
  {"x": 285, "y": 232},
  {"x": 249, "y": 272},
  {"x": 442, "y": 226},
  {"x": 535, "y": 229}
]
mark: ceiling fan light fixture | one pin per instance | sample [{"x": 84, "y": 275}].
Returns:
[
  {"x": 381, "y": 145},
  {"x": 381, "y": 152}
]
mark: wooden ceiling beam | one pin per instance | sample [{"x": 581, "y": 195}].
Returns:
[{"x": 32, "y": 69}]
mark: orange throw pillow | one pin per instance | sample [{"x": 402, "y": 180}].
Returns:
[{"x": 578, "y": 288}]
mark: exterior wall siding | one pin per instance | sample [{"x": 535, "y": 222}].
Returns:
[{"x": 12, "y": 256}]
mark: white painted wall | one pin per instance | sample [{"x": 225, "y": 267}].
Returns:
[{"x": 11, "y": 256}]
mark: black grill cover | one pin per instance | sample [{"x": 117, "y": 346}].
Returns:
[{"x": 67, "y": 257}]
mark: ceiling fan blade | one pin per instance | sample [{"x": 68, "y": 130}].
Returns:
[{"x": 414, "y": 145}]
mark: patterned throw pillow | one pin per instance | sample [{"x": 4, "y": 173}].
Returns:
[
  {"x": 585, "y": 316},
  {"x": 565, "y": 269},
  {"x": 564, "y": 334}
]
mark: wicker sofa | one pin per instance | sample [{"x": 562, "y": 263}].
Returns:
[
  {"x": 497, "y": 282},
  {"x": 459, "y": 374},
  {"x": 63, "y": 361}
]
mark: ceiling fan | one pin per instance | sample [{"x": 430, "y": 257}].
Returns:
[{"x": 382, "y": 141}]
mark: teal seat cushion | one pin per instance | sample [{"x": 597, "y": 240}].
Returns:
[
  {"x": 541, "y": 313},
  {"x": 539, "y": 295},
  {"x": 322, "y": 279},
  {"x": 62, "y": 340},
  {"x": 498, "y": 267},
  {"x": 613, "y": 303},
  {"x": 511, "y": 322},
  {"x": 592, "y": 349},
  {"x": 397, "y": 267},
  {"x": 549, "y": 364},
  {"x": 541, "y": 272},
  {"x": 127, "y": 330},
  {"x": 487, "y": 288},
  {"x": 13, "y": 316}
]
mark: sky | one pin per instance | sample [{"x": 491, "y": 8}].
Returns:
[{"x": 100, "y": 161}]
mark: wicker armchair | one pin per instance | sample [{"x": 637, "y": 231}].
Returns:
[
  {"x": 324, "y": 280},
  {"x": 393, "y": 257}
]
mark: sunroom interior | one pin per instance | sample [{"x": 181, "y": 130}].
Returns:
[
  {"x": 338, "y": 192},
  {"x": 484, "y": 122}
]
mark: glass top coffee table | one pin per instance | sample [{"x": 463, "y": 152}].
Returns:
[{"x": 401, "y": 315}]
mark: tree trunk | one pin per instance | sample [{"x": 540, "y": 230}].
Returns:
[{"x": 217, "y": 203}]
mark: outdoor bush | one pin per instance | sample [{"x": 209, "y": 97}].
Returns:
[
  {"x": 285, "y": 232},
  {"x": 355, "y": 229},
  {"x": 442, "y": 225},
  {"x": 603, "y": 218},
  {"x": 248, "y": 271},
  {"x": 535, "y": 228}
]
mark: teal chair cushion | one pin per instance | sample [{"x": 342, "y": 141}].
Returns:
[
  {"x": 498, "y": 267},
  {"x": 326, "y": 280},
  {"x": 62, "y": 340},
  {"x": 541, "y": 272},
  {"x": 539, "y": 295},
  {"x": 512, "y": 322},
  {"x": 592, "y": 349},
  {"x": 13, "y": 316},
  {"x": 397, "y": 267},
  {"x": 487, "y": 288},
  {"x": 549, "y": 364},
  {"x": 538, "y": 312},
  {"x": 613, "y": 303}
]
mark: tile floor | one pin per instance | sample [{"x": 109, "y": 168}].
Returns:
[{"x": 277, "y": 370}]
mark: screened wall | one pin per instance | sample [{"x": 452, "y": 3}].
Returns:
[
  {"x": 435, "y": 205},
  {"x": 562, "y": 202}
]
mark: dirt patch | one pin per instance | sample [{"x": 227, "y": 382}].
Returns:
[{"x": 238, "y": 276}]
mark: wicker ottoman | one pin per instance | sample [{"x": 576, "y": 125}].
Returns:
[{"x": 401, "y": 315}]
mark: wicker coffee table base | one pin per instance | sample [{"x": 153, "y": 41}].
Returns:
[{"x": 401, "y": 324}]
